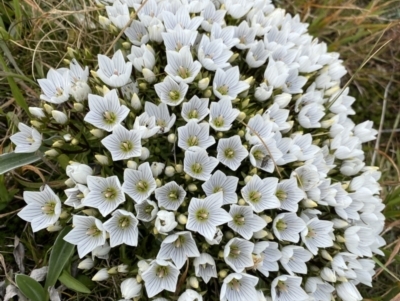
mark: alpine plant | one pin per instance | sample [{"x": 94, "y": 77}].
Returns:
[{"x": 212, "y": 157}]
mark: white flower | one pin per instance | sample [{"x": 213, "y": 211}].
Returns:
[
  {"x": 194, "y": 134},
  {"x": 37, "y": 112},
  {"x": 212, "y": 16},
  {"x": 114, "y": 72},
  {"x": 130, "y": 288},
  {"x": 259, "y": 130},
  {"x": 118, "y": 14},
  {"x": 76, "y": 195},
  {"x": 213, "y": 54},
  {"x": 88, "y": 233},
  {"x": 79, "y": 88},
  {"x": 307, "y": 177},
  {"x": 348, "y": 291},
  {"x": 161, "y": 275},
  {"x": 328, "y": 275},
  {"x": 245, "y": 34},
  {"x": 276, "y": 73},
  {"x": 206, "y": 214},
  {"x": 106, "y": 112},
  {"x": 101, "y": 275},
  {"x": 146, "y": 125},
  {"x": 190, "y": 295},
  {"x": 139, "y": 184},
  {"x": 267, "y": 255},
  {"x": 195, "y": 109},
  {"x": 285, "y": 288},
  {"x": 198, "y": 164},
  {"x": 227, "y": 34},
  {"x": 101, "y": 251},
  {"x": 27, "y": 140},
  {"x": 165, "y": 222},
  {"x": 257, "y": 55},
  {"x": 289, "y": 194},
  {"x": 219, "y": 182},
  {"x": 237, "y": 254},
  {"x": 263, "y": 158},
  {"x": 216, "y": 240},
  {"x": 123, "y": 144},
  {"x": 222, "y": 115},
  {"x": 239, "y": 286},
  {"x": 175, "y": 39},
  {"x": 142, "y": 57},
  {"x": 105, "y": 194},
  {"x": 359, "y": 240},
  {"x": 319, "y": 289},
  {"x": 78, "y": 172},
  {"x": 294, "y": 258},
  {"x": 178, "y": 247},
  {"x": 181, "y": 18},
  {"x": 160, "y": 112},
  {"x": 231, "y": 152},
  {"x": 259, "y": 194},
  {"x": 287, "y": 226},
  {"x": 365, "y": 132},
  {"x": 148, "y": 75},
  {"x": 205, "y": 267},
  {"x": 146, "y": 210},
  {"x": 244, "y": 221},
  {"x": 263, "y": 92},
  {"x": 317, "y": 234},
  {"x": 170, "y": 92},
  {"x": 181, "y": 66},
  {"x": 137, "y": 33},
  {"x": 170, "y": 196},
  {"x": 122, "y": 228},
  {"x": 43, "y": 209},
  {"x": 55, "y": 87},
  {"x": 226, "y": 84},
  {"x": 238, "y": 8}
]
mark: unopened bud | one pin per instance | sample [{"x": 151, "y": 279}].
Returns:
[
  {"x": 37, "y": 112},
  {"x": 148, "y": 75},
  {"x": 241, "y": 133},
  {"x": 126, "y": 45},
  {"x": 113, "y": 271},
  {"x": 193, "y": 282},
  {"x": 178, "y": 168},
  {"x": 143, "y": 86},
  {"x": 69, "y": 183},
  {"x": 103, "y": 160},
  {"x": 104, "y": 22},
  {"x": 97, "y": 133},
  {"x": 101, "y": 275},
  {"x": 139, "y": 278},
  {"x": 78, "y": 106},
  {"x": 132, "y": 164},
  {"x": 145, "y": 154},
  {"x": 207, "y": 93},
  {"x": 241, "y": 116},
  {"x": 169, "y": 171},
  {"x": 54, "y": 228},
  {"x": 58, "y": 144},
  {"x": 171, "y": 138},
  {"x": 247, "y": 179},
  {"x": 203, "y": 84},
  {"x": 339, "y": 223},
  {"x": 308, "y": 203},
  {"x": 229, "y": 235},
  {"x": 233, "y": 57},
  {"x": 36, "y": 123},
  {"x": 90, "y": 212},
  {"x": 326, "y": 255},
  {"x": 123, "y": 268},
  {"x": 249, "y": 80},
  {"x": 64, "y": 214},
  {"x": 267, "y": 218},
  {"x": 59, "y": 117},
  {"x": 223, "y": 273},
  {"x": 158, "y": 183},
  {"x": 242, "y": 202},
  {"x": 74, "y": 141},
  {"x": 51, "y": 153},
  {"x": 86, "y": 264},
  {"x": 182, "y": 219},
  {"x": 192, "y": 187},
  {"x": 67, "y": 137},
  {"x": 48, "y": 108},
  {"x": 260, "y": 234},
  {"x": 340, "y": 238}
]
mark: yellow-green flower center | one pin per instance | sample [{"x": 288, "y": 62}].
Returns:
[
  {"x": 162, "y": 271},
  {"x": 124, "y": 222},
  {"x": 234, "y": 252},
  {"x": 174, "y": 95},
  {"x": 110, "y": 193},
  {"x": 109, "y": 117},
  {"x": 229, "y": 153},
  {"x": 219, "y": 121},
  {"x": 281, "y": 195},
  {"x": 239, "y": 219},
  {"x": 223, "y": 90},
  {"x": 202, "y": 215},
  {"x": 255, "y": 196},
  {"x": 126, "y": 146},
  {"x": 193, "y": 114},
  {"x": 193, "y": 141},
  {"x": 183, "y": 72},
  {"x": 281, "y": 225},
  {"x": 49, "y": 208},
  {"x": 93, "y": 231},
  {"x": 197, "y": 168},
  {"x": 142, "y": 186}
]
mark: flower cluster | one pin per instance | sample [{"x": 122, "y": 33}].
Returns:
[{"x": 218, "y": 150}]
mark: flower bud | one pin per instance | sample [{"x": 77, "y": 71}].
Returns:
[
  {"x": 332, "y": 90},
  {"x": 339, "y": 223},
  {"x": 148, "y": 75},
  {"x": 126, "y": 45},
  {"x": 36, "y": 123},
  {"x": 229, "y": 235},
  {"x": 113, "y": 271},
  {"x": 54, "y": 228},
  {"x": 97, "y": 133},
  {"x": 67, "y": 137},
  {"x": 37, "y": 112},
  {"x": 64, "y": 214},
  {"x": 203, "y": 84},
  {"x": 74, "y": 141},
  {"x": 171, "y": 138},
  {"x": 223, "y": 273},
  {"x": 187, "y": 177},
  {"x": 103, "y": 160},
  {"x": 71, "y": 52},
  {"x": 242, "y": 202},
  {"x": 267, "y": 218},
  {"x": 143, "y": 86},
  {"x": 165, "y": 222},
  {"x": 104, "y": 22},
  {"x": 123, "y": 268},
  {"x": 263, "y": 92},
  {"x": 326, "y": 255},
  {"x": 328, "y": 275},
  {"x": 249, "y": 80},
  {"x": 78, "y": 107},
  {"x": 241, "y": 116},
  {"x": 59, "y": 117},
  {"x": 193, "y": 282},
  {"x": 135, "y": 102},
  {"x": 48, "y": 108},
  {"x": 182, "y": 219},
  {"x": 139, "y": 278},
  {"x": 247, "y": 179},
  {"x": 192, "y": 187},
  {"x": 130, "y": 288},
  {"x": 340, "y": 238},
  {"x": 233, "y": 57},
  {"x": 90, "y": 212},
  {"x": 207, "y": 93},
  {"x": 94, "y": 74},
  {"x": 308, "y": 203},
  {"x": 69, "y": 183},
  {"x": 101, "y": 275},
  {"x": 169, "y": 171},
  {"x": 282, "y": 99},
  {"x": 58, "y": 143},
  {"x": 178, "y": 168},
  {"x": 220, "y": 135},
  {"x": 260, "y": 234},
  {"x": 86, "y": 264},
  {"x": 158, "y": 183},
  {"x": 51, "y": 153},
  {"x": 145, "y": 153},
  {"x": 78, "y": 172},
  {"x": 241, "y": 133},
  {"x": 157, "y": 168},
  {"x": 132, "y": 164},
  {"x": 270, "y": 236}
]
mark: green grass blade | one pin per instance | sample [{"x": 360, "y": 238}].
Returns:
[
  {"x": 13, "y": 160},
  {"x": 30, "y": 288}
]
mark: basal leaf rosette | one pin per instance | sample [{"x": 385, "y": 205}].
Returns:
[{"x": 214, "y": 158}]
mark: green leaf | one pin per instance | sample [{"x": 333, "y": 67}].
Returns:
[
  {"x": 60, "y": 255},
  {"x": 13, "y": 160},
  {"x": 73, "y": 283},
  {"x": 30, "y": 288}
]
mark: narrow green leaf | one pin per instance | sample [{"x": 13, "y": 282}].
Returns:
[
  {"x": 60, "y": 255},
  {"x": 73, "y": 283},
  {"x": 13, "y": 160},
  {"x": 30, "y": 288}
]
